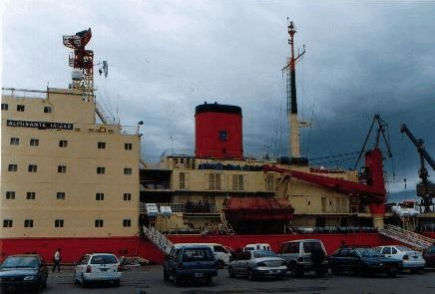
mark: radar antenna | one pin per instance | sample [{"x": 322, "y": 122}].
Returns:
[{"x": 82, "y": 62}]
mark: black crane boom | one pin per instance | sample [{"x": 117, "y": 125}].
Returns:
[
  {"x": 419, "y": 143},
  {"x": 425, "y": 189}
]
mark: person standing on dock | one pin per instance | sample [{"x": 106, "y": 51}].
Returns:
[{"x": 56, "y": 260}]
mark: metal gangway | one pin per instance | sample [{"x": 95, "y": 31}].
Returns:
[
  {"x": 407, "y": 237},
  {"x": 158, "y": 239}
]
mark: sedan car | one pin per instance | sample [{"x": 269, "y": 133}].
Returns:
[
  {"x": 26, "y": 273},
  {"x": 256, "y": 264},
  {"x": 412, "y": 260},
  {"x": 429, "y": 256},
  {"x": 97, "y": 267},
  {"x": 363, "y": 260}
]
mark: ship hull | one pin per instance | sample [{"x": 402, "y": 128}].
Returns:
[{"x": 74, "y": 248}]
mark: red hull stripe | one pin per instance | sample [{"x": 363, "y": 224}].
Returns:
[{"x": 74, "y": 248}]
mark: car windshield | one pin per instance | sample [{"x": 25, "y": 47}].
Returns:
[
  {"x": 197, "y": 254},
  {"x": 104, "y": 259},
  {"x": 264, "y": 253},
  {"x": 368, "y": 252},
  {"x": 20, "y": 261}
]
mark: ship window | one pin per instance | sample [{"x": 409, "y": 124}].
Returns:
[
  {"x": 63, "y": 143},
  {"x": 126, "y": 222},
  {"x": 5, "y": 106},
  {"x": 101, "y": 170},
  {"x": 223, "y": 135},
  {"x": 61, "y": 169},
  {"x": 99, "y": 196},
  {"x": 269, "y": 182},
  {"x": 182, "y": 182},
  {"x": 15, "y": 141},
  {"x": 10, "y": 195},
  {"x": 20, "y": 107},
  {"x": 7, "y": 223},
  {"x": 99, "y": 223},
  {"x": 31, "y": 195},
  {"x": 238, "y": 183},
  {"x": 214, "y": 181},
  {"x": 101, "y": 145},
  {"x": 60, "y": 195},
  {"x": 34, "y": 142},
  {"x": 12, "y": 167},
  {"x": 47, "y": 109},
  {"x": 28, "y": 223},
  {"x": 127, "y": 171},
  {"x": 58, "y": 223},
  {"x": 127, "y": 196},
  {"x": 128, "y": 146},
  {"x": 33, "y": 168}
]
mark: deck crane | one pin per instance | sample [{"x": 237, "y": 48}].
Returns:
[{"x": 425, "y": 189}]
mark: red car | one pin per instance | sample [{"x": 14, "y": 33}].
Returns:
[{"x": 429, "y": 256}]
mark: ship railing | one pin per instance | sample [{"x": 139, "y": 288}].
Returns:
[
  {"x": 158, "y": 239},
  {"x": 184, "y": 207},
  {"x": 408, "y": 237}
]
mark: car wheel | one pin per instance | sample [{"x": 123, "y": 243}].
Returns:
[
  {"x": 231, "y": 272},
  {"x": 392, "y": 272},
  {"x": 117, "y": 283},
  {"x": 335, "y": 271},
  {"x": 251, "y": 275},
  {"x": 299, "y": 271},
  {"x": 165, "y": 276},
  {"x": 177, "y": 281},
  {"x": 220, "y": 264}
]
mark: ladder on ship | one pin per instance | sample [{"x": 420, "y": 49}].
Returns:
[
  {"x": 407, "y": 237},
  {"x": 158, "y": 239}
]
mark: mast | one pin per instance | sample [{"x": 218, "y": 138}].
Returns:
[{"x": 292, "y": 107}]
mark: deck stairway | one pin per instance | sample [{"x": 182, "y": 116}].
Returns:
[
  {"x": 158, "y": 239},
  {"x": 407, "y": 237}
]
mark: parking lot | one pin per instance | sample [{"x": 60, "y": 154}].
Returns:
[{"x": 150, "y": 280}]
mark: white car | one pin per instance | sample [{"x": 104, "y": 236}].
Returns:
[
  {"x": 412, "y": 259},
  {"x": 221, "y": 254},
  {"x": 257, "y": 246},
  {"x": 97, "y": 267}
]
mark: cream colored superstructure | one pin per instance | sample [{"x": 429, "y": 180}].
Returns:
[
  {"x": 314, "y": 205},
  {"x": 96, "y": 159}
]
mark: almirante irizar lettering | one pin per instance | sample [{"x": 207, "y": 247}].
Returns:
[{"x": 39, "y": 124}]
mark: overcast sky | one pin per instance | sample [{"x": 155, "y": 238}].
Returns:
[{"x": 166, "y": 57}]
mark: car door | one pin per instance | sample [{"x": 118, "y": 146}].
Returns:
[
  {"x": 244, "y": 262},
  {"x": 339, "y": 259},
  {"x": 386, "y": 251},
  {"x": 353, "y": 261}
]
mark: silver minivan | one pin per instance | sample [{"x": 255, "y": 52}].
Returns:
[{"x": 304, "y": 256}]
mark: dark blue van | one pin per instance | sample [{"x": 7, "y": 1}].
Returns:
[{"x": 190, "y": 262}]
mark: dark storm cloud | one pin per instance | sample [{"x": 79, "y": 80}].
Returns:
[{"x": 166, "y": 57}]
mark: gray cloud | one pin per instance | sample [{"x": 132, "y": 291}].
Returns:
[{"x": 166, "y": 57}]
